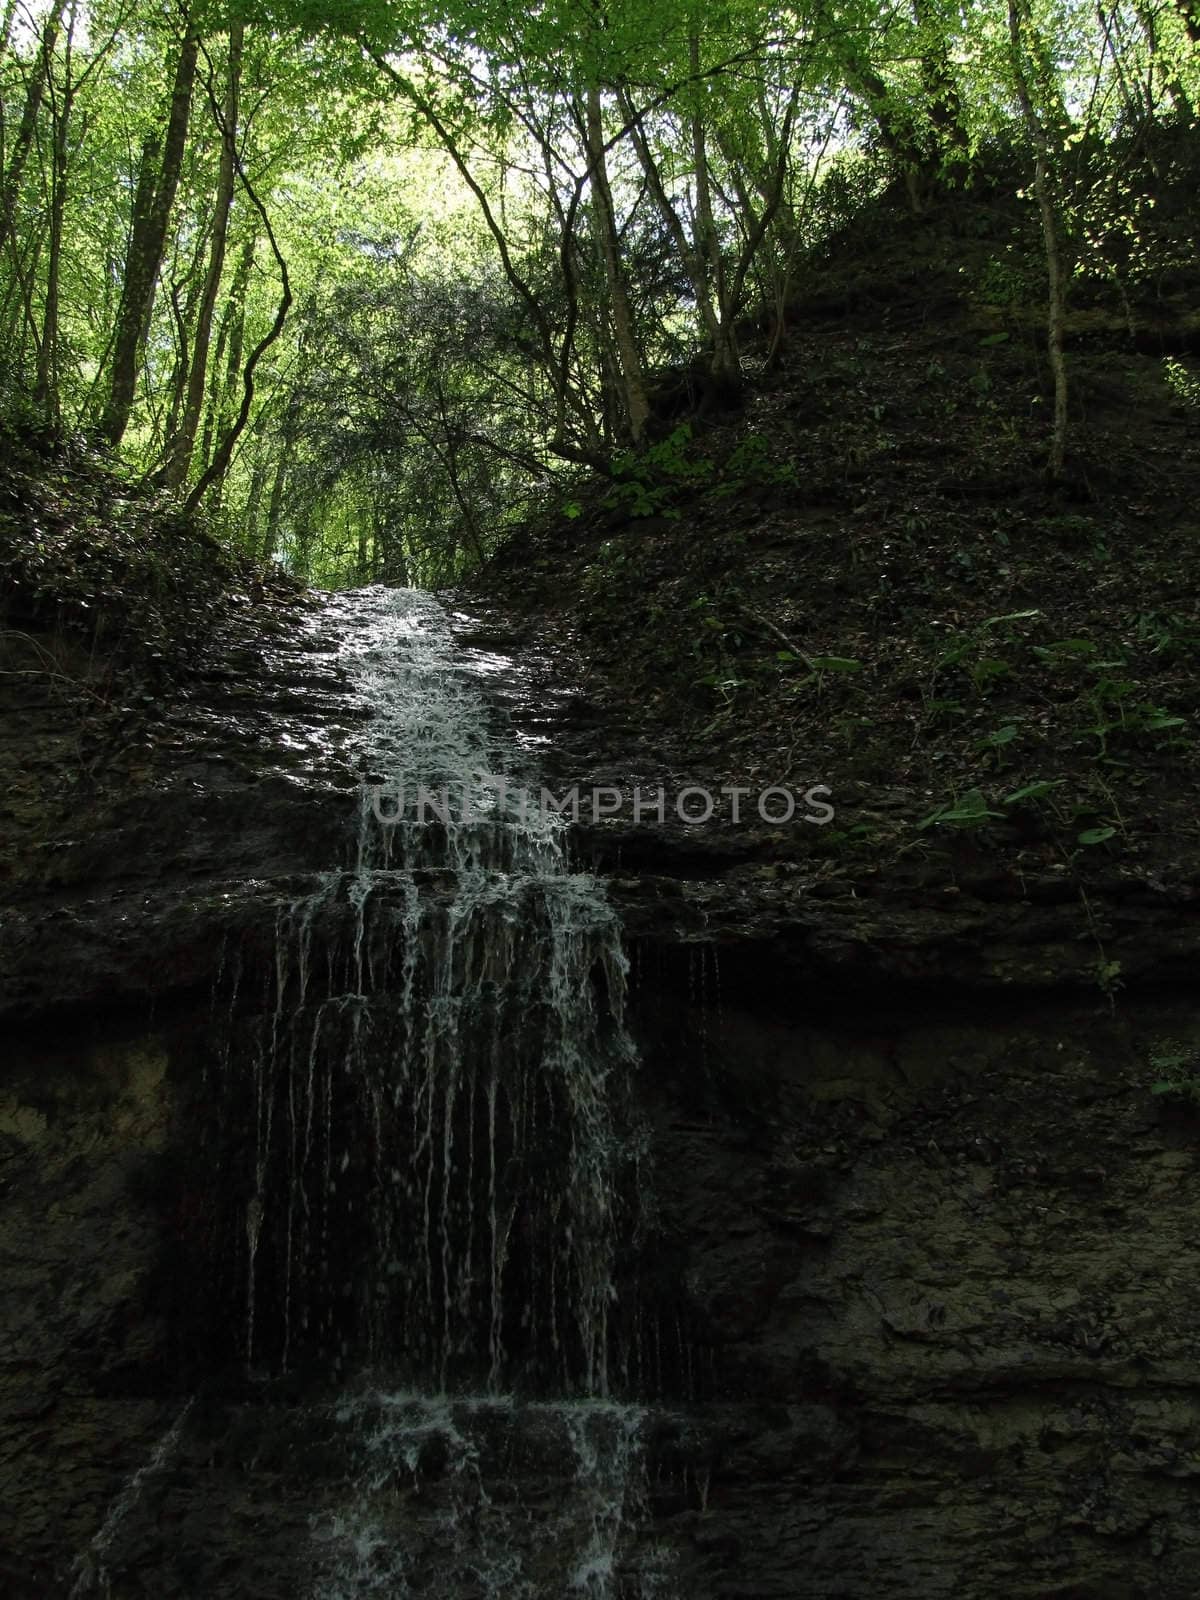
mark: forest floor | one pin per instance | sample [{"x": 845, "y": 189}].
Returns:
[{"x": 863, "y": 578}]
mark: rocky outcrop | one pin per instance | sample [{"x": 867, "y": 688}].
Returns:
[{"x": 932, "y": 1225}]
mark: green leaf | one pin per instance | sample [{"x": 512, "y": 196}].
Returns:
[
  {"x": 1159, "y": 720},
  {"x": 836, "y": 664},
  {"x": 1013, "y": 616},
  {"x": 1096, "y": 835},
  {"x": 968, "y": 812},
  {"x": 1032, "y": 791},
  {"x": 1065, "y": 647},
  {"x": 993, "y": 339}
]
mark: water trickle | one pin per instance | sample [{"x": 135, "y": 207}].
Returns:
[{"x": 90, "y": 1572}]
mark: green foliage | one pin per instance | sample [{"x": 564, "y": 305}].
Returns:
[
  {"x": 1115, "y": 711},
  {"x": 1183, "y": 384},
  {"x": 650, "y": 481},
  {"x": 750, "y": 465},
  {"x": 517, "y": 215}
]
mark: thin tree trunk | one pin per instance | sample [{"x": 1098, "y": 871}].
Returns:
[
  {"x": 180, "y": 458},
  {"x": 637, "y": 405},
  {"x": 693, "y": 262},
  {"x": 45, "y": 390},
  {"x": 183, "y": 315},
  {"x": 275, "y": 504},
  {"x": 6, "y": 28},
  {"x": 1056, "y": 280},
  {"x": 726, "y": 366},
  {"x": 216, "y": 468},
  {"x": 258, "y": 481},
  {"x": 941, "y": 94},
  {"x": 771, "y": 186},
  {"x": 147, "y": 243},
  {"x": 35, "y": 91},
  {"x": 228, "y": 357}
]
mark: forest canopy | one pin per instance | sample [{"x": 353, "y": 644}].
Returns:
[{"x": 370, "y": 281}]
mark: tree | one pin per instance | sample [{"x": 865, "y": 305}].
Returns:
[
  {"x": 180, "y": 448},
  {"x": 158, "y": 179}
]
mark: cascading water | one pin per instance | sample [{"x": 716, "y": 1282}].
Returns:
[
  {"x": 443, "y": 1159},
  {"x": 485, "y": 1496},
  {"x": 440, "y": 1151}
]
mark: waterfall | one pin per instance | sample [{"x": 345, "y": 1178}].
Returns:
[
  {"x": 443, "y": 1165},
  {"x": 441, "y": 1144}
]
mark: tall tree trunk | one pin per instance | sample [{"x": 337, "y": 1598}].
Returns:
[
  {"x": 637, "y": 404},
  {"x": 183, "y": 316},
  {"x": 147, "y": 243},
  {"x": 227, "y": 361},
  {"x": 180, "y": 458},
  {"x": 45, "y": 390},
  {"x": 249, "y": 531},
  {"x": 275, "y": 504},
  {"x": 1162, "y": 67},
  {"x": 1045, "y": 189},
  {"x": 35, "y": 91},
  {"x": 689, "y": 253},
  {"x": 726, "y": 366}
]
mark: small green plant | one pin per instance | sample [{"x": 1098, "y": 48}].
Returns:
[
  {"x": 1167, "y": 635},
  {"x": 649, "y": 481},
  {"x": 996, "y": 744},
  {"x": 750, "y": 465},
  {"x": 1108, "y": 977},
  {"x": 1066, "y": 652},
  {"x": 1100, "y": 835},
  {"x": 1002, "y": 282},
  {"x": 974, "y": 653},
  {"x": 1184, "y": 385},
  {"x": 1114, "y": 711},
  {"x": 1039, "y": 789},
  {"x": 971, "y": 810},
  {"x": 1177, "y": 1074}
]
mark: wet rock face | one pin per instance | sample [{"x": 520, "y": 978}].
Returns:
[
  {"x": 944, "y": 1280},
  {"x": 934, "y": 1249},
  {"x": 959, "y": 1262},
  {"x": 137, "y": 843},
  {"x": 83, "y": 1130}
]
